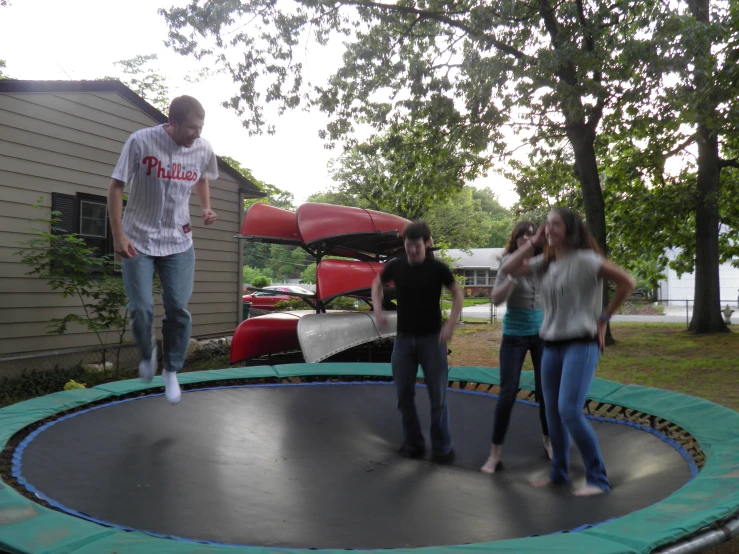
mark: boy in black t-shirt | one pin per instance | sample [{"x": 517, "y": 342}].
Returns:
[{"x": 421, "y": 338}]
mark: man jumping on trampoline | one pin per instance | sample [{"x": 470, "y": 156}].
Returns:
[
  {"x": 163, "y": 164},
  {"x": 421, "y": 339}
]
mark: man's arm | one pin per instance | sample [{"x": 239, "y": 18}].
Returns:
[
  {"x": 202, "y": 190},
  {"x": 457, "y": 303},
  {"x": 121, "y": 245},
  {"x": 377, "y": 297}
]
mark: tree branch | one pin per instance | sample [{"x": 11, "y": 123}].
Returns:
[
  {"x": 690, "y": 140},
  {"x": 441, "y": 18},
  {"x": 734, "y": 162}
]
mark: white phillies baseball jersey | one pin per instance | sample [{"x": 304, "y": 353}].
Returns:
[{"x": 161, "y": 174}]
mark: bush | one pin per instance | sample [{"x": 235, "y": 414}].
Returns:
[
  {"x": 480, "y": 295},
  {"x": 261, "y": 281},
  {"x": 292, "y": 304},
  {"x": 348, "y": 303}
]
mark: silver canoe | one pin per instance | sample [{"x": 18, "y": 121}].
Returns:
[{"x": 324, "y": 335}]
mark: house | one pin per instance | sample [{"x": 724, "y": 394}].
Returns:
[
  {"x": 59, "y": 141},
  {"x": 677, "y": 290},
  {"x": 479, "y": 266}
]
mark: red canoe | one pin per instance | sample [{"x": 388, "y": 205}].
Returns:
[
  {"x": 350, "y": 230},
  {"x": 339, "y": 277},
  {"x": 266, "y": 223},
  {"x": 266, "y": 334}
]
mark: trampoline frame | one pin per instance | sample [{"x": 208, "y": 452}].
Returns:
[{"x": 705, "y": 502}]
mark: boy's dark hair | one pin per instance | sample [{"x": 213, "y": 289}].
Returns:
[
  {"x": 417, "y": 230},
  {"x": 182, "y": 106}
]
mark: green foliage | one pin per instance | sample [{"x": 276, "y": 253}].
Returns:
[
  {"x": 261, "y": 281},
  {"x": 145, "y": 80},
  {"x": 75, "y": 270},
  {"x": 340, "y": 197},
  {"x": 251, "y": 273},
  {"x": 309, "y": 274},
  {"x": 30, "y": 384},
  {"x": 292, "y": 304},
  {"x": 3, "y": 75},
  {"x": 348, "y": 303},
  {"x": 275, "y": 196},
  {"x": 406, "y": 169}
]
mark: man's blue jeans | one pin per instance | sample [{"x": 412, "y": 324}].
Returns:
[
  {"x": 408, "y": 352},
  {"x": 567, "y": 371},
  {"x": 176, "y": 273}
]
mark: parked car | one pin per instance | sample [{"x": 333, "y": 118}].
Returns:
[{"x": 265, "y": 301}]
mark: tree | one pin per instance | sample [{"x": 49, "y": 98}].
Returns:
[
  {"x": 275, "y": 196},
  {"x": 339, "y": 198},
  {"x": 145, "y": 80},
  {"x": 3, "y": 75},
  {"x": 690, "y": 119},
  {"x": 500, "y": 219},
  {"x": 461, "y": 68},
  {"x": 459, "y": 221},
  {"x": 406, "y": 169}
]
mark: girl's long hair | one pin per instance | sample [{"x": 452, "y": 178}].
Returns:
[
  {"x": 576, "y": 234},
  {"x": 519, "y": 230}
]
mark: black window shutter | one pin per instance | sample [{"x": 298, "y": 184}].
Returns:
[{"x": 68, "y": 206}]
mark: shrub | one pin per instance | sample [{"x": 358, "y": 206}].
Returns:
[
  {"x": 261, "y": 282},
  {"x": 292, "y": 304}
]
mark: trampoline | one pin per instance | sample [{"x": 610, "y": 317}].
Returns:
[{"x": 304, "y": 457}]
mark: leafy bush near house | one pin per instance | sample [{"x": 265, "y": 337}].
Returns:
[
  {"x": 261, "y": 281},
  {"x": 292, "y": 304}
]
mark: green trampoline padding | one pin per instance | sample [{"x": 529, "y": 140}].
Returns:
[{"x": 28, "y": 528}]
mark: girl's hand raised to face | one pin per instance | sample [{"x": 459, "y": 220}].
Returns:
[{"x": 540, "y": 238}]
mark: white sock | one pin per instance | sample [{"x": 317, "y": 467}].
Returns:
[
  {"x": 148, "y": 368},
  {"x": 171, "y": 386}
]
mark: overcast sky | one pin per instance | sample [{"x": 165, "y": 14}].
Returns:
[{"x": 80, "y": 39}]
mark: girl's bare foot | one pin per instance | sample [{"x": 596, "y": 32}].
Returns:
[
  {"x": 491, "y": 466},
  {"x": 548, "y": 446},
  {"x": 493, "y": 462},
  {"x": 588, "y": 490},
  {"x": 540, "y": 482}
]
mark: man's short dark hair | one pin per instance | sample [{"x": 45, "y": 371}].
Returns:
[
  {"x": 182, "y": 106},
  {"x": 417, "y": 230}
]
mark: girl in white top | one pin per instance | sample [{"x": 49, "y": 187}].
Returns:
[{"x": 570, "y": 274}]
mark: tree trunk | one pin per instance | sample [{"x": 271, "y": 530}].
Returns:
[
  {"x": 586, "y": 166},
  {"x": 707, "y": 306}
]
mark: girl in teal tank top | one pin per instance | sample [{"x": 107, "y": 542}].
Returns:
[{"x": 521, "y": 324}]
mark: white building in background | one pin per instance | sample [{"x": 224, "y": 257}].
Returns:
[
  {"x": 679, "y": 289},
  {"x": 479, "y": 267}
]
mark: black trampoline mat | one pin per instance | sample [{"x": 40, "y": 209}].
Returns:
[{"x": 315, "y": 466}]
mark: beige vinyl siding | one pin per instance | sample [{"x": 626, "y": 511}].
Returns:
[{"x": 69, "y": 143}]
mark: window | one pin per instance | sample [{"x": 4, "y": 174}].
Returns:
[
  {"x": 479, "y": 277},
  {"x": 93, "y": 219},
  {"x": 87, "y": 216}
]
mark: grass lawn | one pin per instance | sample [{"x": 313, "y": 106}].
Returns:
[
  {"x": 446, "y": 304},
  {"x": 660, "y": 355}
]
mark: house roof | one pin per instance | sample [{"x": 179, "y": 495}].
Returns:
[
  {"x": 476, "y": 258},
  {"x": 14, "y": 85}
]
